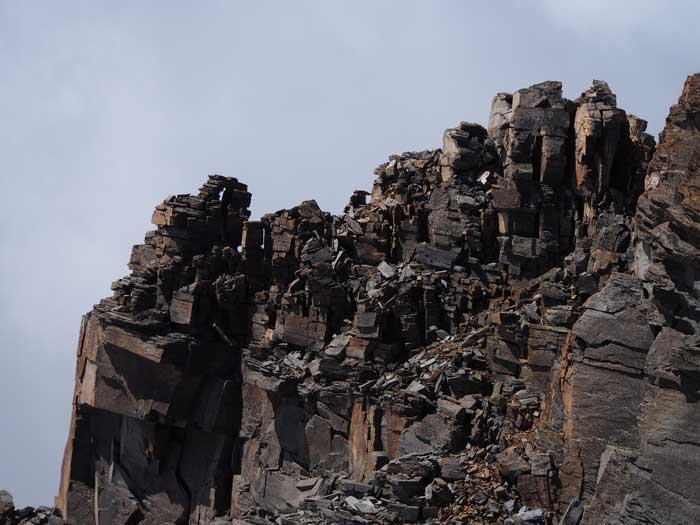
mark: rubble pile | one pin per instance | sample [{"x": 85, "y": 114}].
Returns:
[{"x": 503, "y": 331}]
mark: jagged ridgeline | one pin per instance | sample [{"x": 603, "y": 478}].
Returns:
[{"x": 503, "y": 331}]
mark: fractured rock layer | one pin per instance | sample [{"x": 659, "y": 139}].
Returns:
[{"x": 502, "y": 331}]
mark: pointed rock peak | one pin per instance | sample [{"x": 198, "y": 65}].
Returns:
[
  {"x": 548, "y": 85},
  {"x": 598, "y": 92},
  {"x": 310, "y": 204},
  {"x": 691, "y": 92},
  {"x": 532, "y": 97},
  {"x": 476, "y": 130},
  {"x": 637, "y": 125}
]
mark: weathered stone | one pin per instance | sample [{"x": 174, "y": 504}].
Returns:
[
  {"x": 511, "y": 464},
  {"x": 7, "y": 508},
  {"x": 514, "y": 313}
]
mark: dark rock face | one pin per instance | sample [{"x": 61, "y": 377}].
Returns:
[
  {"x": 651, "y": 478},
  {"x": 505, "y": 330}
]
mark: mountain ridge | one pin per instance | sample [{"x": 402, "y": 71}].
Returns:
[{"x": 505, "y": 332}]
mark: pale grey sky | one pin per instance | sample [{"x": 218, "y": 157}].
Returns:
[{"x": 108, "y": 107}]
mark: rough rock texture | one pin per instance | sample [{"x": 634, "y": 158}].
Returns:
[
  {"x": 9, "y": 515},
  {"x": 505, "y": 330}
]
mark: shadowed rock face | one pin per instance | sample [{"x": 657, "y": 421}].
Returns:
[
  {"x": 653, "y": 479},
  {"x": 502, "y": 331}
]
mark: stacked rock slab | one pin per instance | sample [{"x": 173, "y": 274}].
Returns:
[
  {"x": 531, "y": 129},
  {"x": 157, "y": 400},
  {"x": 501, "y": 331}
]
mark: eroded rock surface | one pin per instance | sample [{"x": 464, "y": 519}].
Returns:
[{"x": 505, "y": 330}]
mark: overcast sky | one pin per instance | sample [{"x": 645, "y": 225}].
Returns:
[{"x": 108, "y": 107}]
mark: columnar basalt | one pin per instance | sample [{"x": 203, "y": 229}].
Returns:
[{"x": 505, "y": 330}]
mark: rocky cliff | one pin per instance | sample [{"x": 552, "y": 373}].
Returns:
[{"x": 505, "y": 330}]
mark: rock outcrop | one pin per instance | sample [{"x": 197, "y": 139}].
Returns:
[
  {"x": 506, "y": 330},
  {"x": 9, "y": 515}
]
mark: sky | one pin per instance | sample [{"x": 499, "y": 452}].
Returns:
[{"x": 109, "y": 107}]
